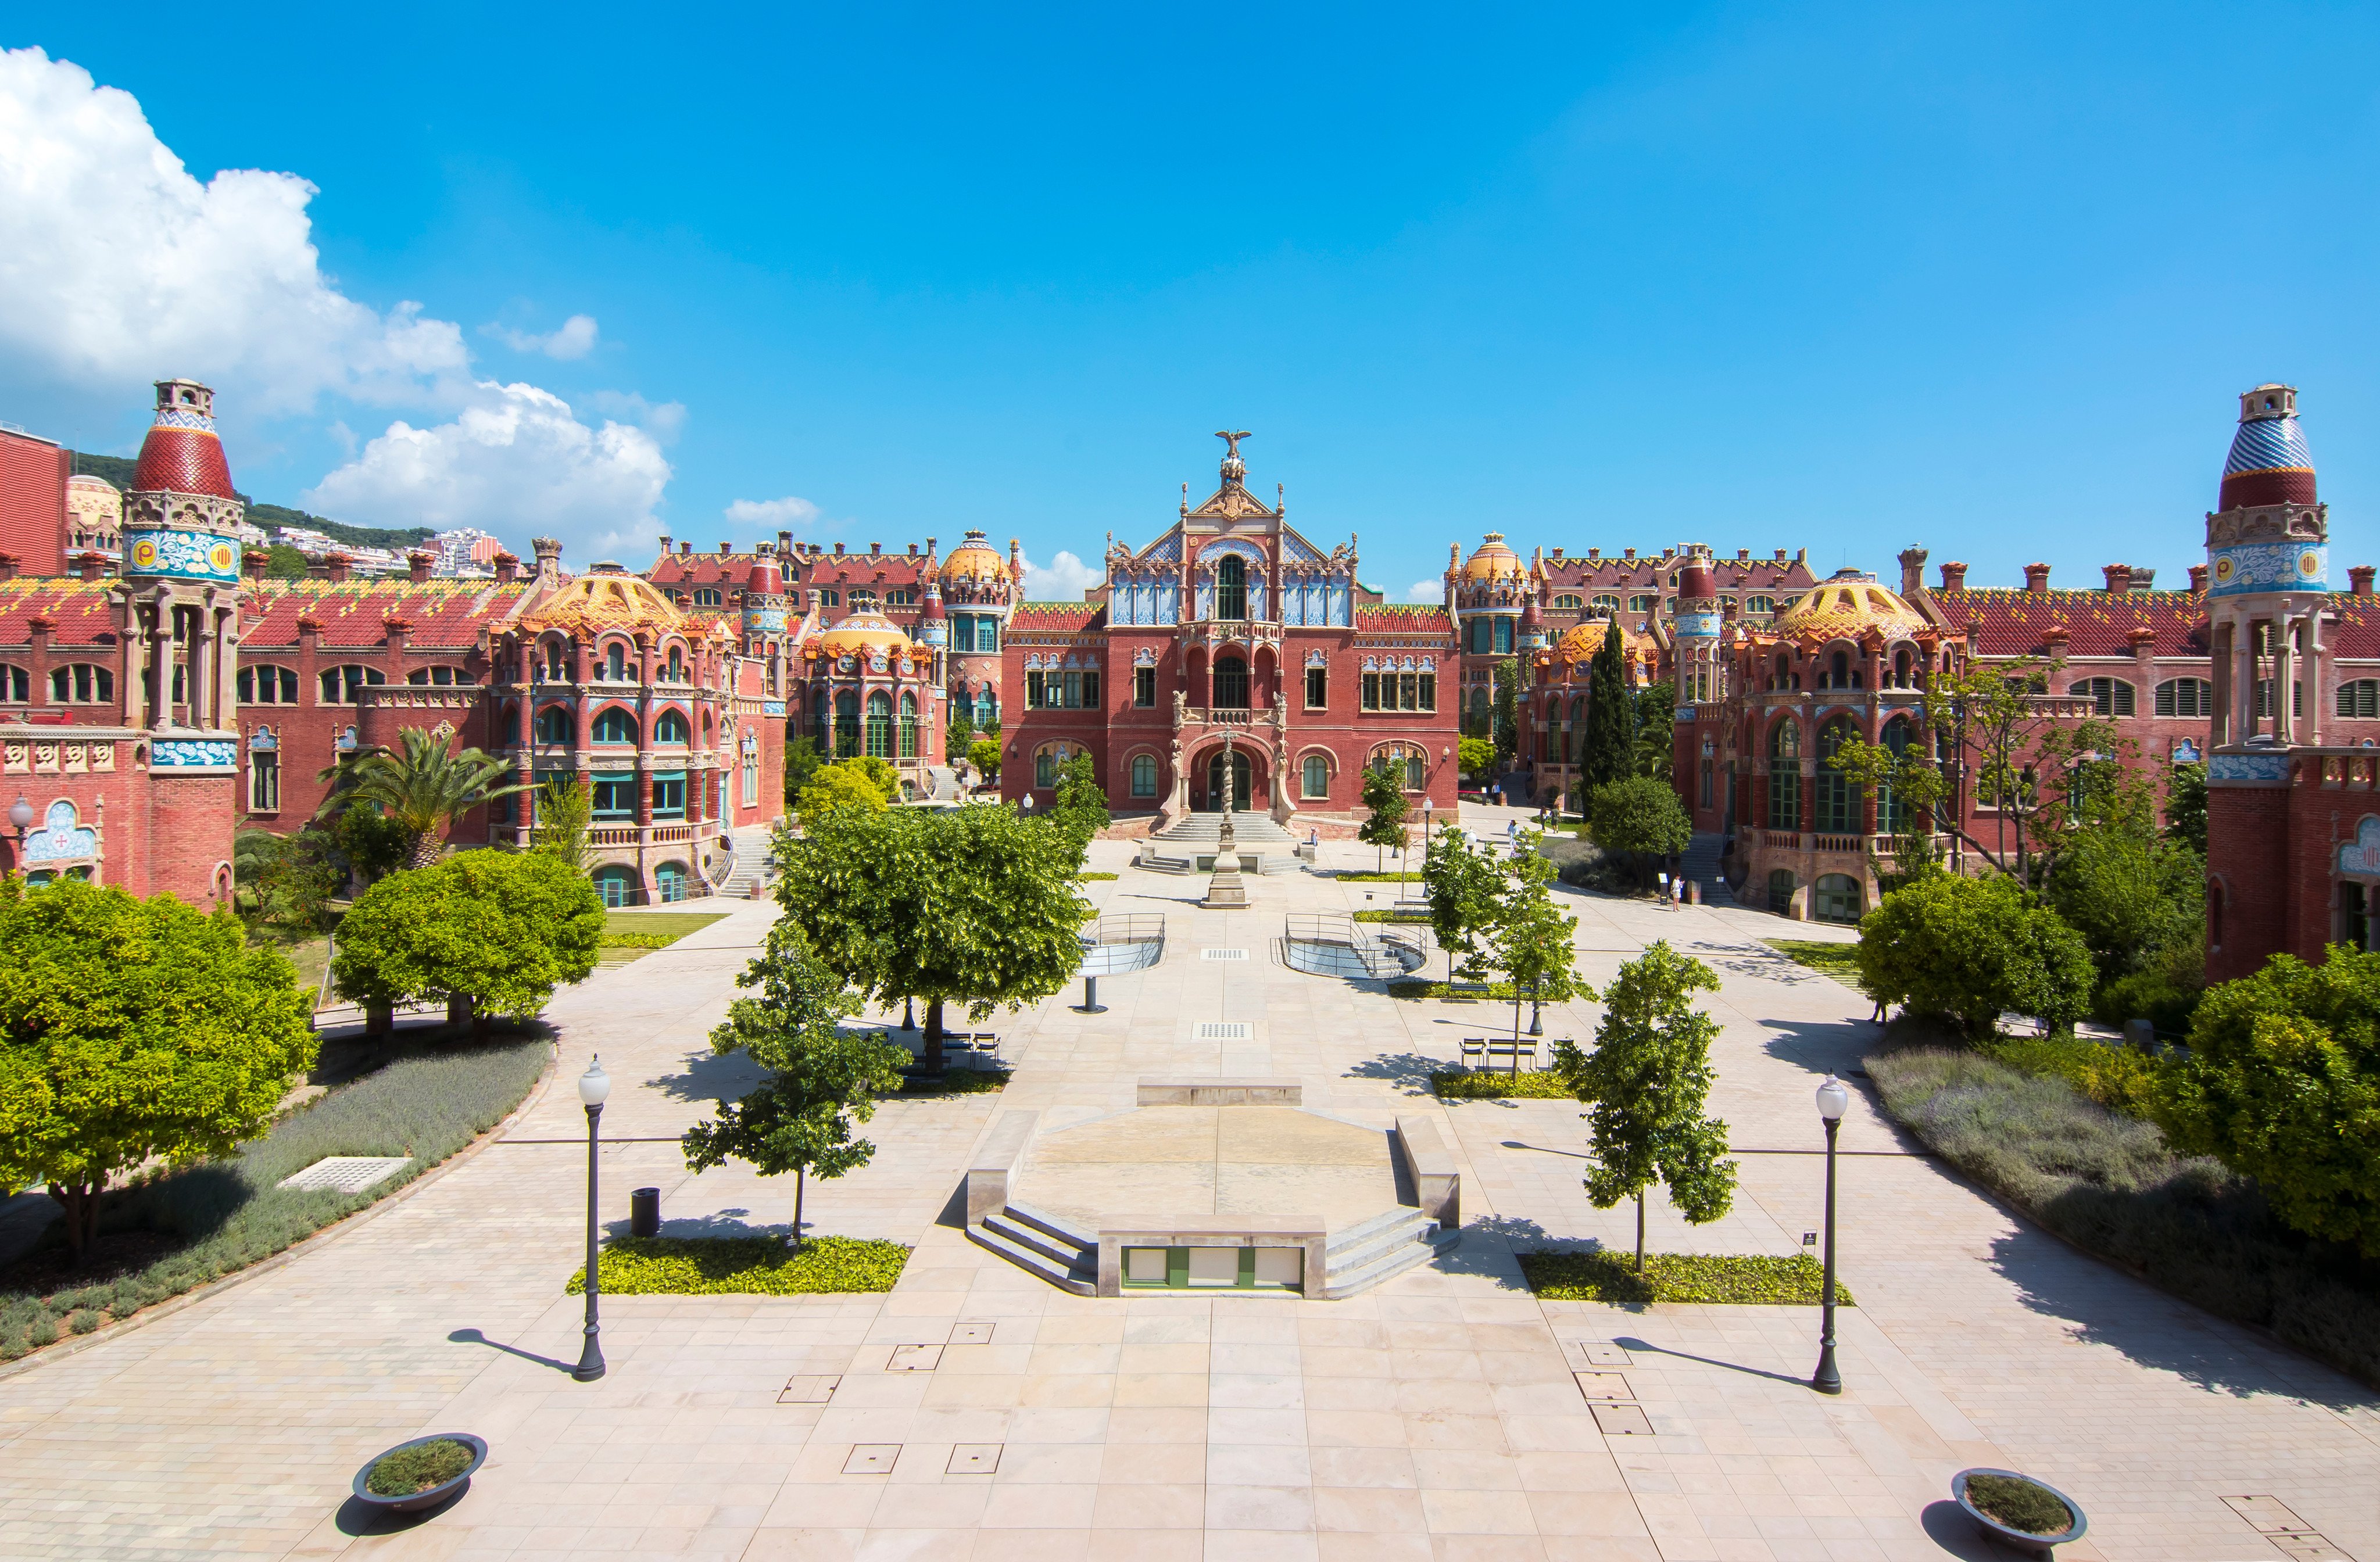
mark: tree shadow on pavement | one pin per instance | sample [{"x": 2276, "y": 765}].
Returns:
[
  {"x": 1408, "y": 1072},
  {"x": 710, "y": 1076}
]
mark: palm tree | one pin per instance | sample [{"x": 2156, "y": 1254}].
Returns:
[{"x": 424, "y": 787}]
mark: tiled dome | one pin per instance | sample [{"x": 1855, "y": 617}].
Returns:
[
  {"x": 1491, "y": 560},
  {"x": 1846, "y": 606},
  {"x": 975, "y": 558},
  {"x": 181, "y": 453},
  {"x": 863, "y": 632},
  {"x": 594, "y": 602},
  {"x": 2269, "y": 463}
]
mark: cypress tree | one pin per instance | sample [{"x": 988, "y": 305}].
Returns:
[{"x": 1606, "y": 750}]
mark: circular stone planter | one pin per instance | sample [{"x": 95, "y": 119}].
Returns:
[
  {"x": 428, "y": 1496},
  {"x": 2039, "y": 1545}
]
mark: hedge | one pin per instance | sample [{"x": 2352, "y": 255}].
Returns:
[
  {"x": 1745, "y": 1279},
  {"x": 743, "y": 1265}
]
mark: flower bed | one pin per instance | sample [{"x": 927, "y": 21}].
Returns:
[
  {"x": 743, "y": 1265},
  {"x": 1490, "y": 1084}
]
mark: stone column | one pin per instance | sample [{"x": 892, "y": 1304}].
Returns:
[
  {"x": 2309, "y": 674},
  {"x": 2221, "y": 635}
]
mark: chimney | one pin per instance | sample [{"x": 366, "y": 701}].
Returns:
[
  {"x": 88, "y": 565},
  {"x": 665, "y": 542},
  {"x": 2037, "y": 577},
  {"x": 876, "y": 550},
  {"x": 2359, "y": 579},
  {"x": 784, "y": 542},
  {"x": 1631, "y": 555},
  {"x": 685, "y": 550},
  {"x": 1594, "y": 552},
  {"x": 507, "y": 568},
  {"x": 725, "y": 549},
  {"x": 838, "y": 550},
  {"x": 417, "y": 565},
  {"x": 1954, "y": 577},
  {"x": 1801, "y": 555},
  {"x": 1557, "y": 553},
  {"x": 1912, "y": 570},
  {"x": 2198, "y": 579},
  {"x": 335, "y": 568},
  {"x": 913, "y": 549},
  {"x": 7, "y": 566},
  {"x": 549, "y": 559},
  {"x": 2144, "y": 577},
  {"x": 2119, "y": 577},
  {"x": 254, "y": 562}
]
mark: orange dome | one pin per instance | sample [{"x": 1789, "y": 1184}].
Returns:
[
  {"x": 974, "y": 557},
  {"x": 1846, "y": 607},
  {"x": 861, "y": 633},
  {"x": 1491, "y": 559},
  {"x": 594, "y": 602}
]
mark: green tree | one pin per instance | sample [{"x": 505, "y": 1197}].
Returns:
[
  {"x": 822, "y": 1080},
  {"x": 1384, "y": 797},
  {"x": 957, "y": 738},
  {"x": 984, "y": 755},
  {"x": 844, "y": 784},
  {"x": 1461, "y": 883},
  {"x": 284, "y": 563},
  {"x": 285, "y": 882},
  {"x": 1645, "y": 1086},
  {"x": 1082, "y": 802},
  {"x": 371, "y": 844},
  {"x": 2282, "y": 1084},
  {"x": 1475, "y": 756},
  {"x": 130, "y": 1032},
  {"x": 1639, "y": 816},
  {"x": 2185, "y": 804},
  {"x": 1531, "y": 937},
  {"x": 501, "y": 929},
  {"x": 803, "y": 760},
  {"x": 1606, "y": 750},
  {"x": 2132, "y": 895},
  {"x": 565, "y": 812},
  {"x": 1656, "y": 720},
  {"x": 1970, "y": 949},
  {"x": 424, "y": 787},
  {"x": 969, "y": 905},
  {"x": 1506, "y": 730}
]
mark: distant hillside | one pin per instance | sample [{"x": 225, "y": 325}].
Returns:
[{"x": 118, "y": 471}]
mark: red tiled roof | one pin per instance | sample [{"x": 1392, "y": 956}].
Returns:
[
  {"x": 1405, "y": 618},
  {"x": 78, "y": 610},
  {"x": 1057, "y": 618},
  {"x": 443, "y": 614},
  {"x": 1730, "y": 574},
  {"x": 702, "y": 569},
  {"x": 862, "y": 569},
  {"x": 2010, "y": 621}
]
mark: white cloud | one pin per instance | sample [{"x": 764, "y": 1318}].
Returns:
[
  {"x": 1432, "y": 590},
  {"x": 773, "y": 514},
  {"x": 574, "y": 340},
  {"x": 663, "y": 421},
  {"x": 1063, "y": 580},
  {"x": 516, "y": 462},
  {"x": 118, "y": 267}
]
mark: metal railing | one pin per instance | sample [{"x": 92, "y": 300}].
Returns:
[
  {"x": 1124, "y": 941},
  {"x": 1322, "y": 944}
]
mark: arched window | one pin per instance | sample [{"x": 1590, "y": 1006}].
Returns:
[
  {"x": 616, "y": 885},
  {"x": 669, "y": 884},
  {"x": 550, "y": 662},
  {"x": 1604, "y": 605},
  {"x": 1892, "y": 817},
  {"x": 846, "y": 724},
  {"x": 265, "y": 685},
  {"x": 615, "y": 725},
  {"x": 1416, "y": 773},
  {"x": 705, "y": 597},
  {"x": 2113, "y": 696},
  {"x": 443, "y": 677},
  {"x": 1231, "y": 587},
  {"x": 2195, "y": 697},
  {"x": 879, "y": 725},
  {"x": 1781, "y": 892},
  {"x": 987, "y": 711},
  {"x": 17, "y": 687},
  {"x": 615, "y": 663},
  {"x": 1785, "y": 777},
  {"x": 908, "y": 726},
  {"x": 1837, "y": 796},
  {"x": 670, "y": 727},
  {"x": 1144, "y": 775},
  {"x": 1763, "y": 605},
  {"x": 1315, "y": 781},
  {"x": 1567, "y": 604},
  {"x": 676, "y": 672},
  {"x": 1839, "y": 674},
  {"x": 344, "y": 685},
  {"x": 553, "y": 724},
  {"x": 1835, "y": 898},
  {"x": 2359, "y": 701},
  {"x": 963, "y": 709},
  {"x": 1231, "y": 678},
  {"x": 1900, "y": 668}
]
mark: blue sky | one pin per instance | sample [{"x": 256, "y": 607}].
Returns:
[{"x": 1842, "y": 278}]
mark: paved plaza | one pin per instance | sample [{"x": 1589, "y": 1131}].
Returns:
[{"x": 1434, "y": 1417}]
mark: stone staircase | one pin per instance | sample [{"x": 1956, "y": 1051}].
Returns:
[
  {"x": 1700, "y": 865},
  {"x": 1263, "y": 846},
  {"x": 1066, "y": 1255},
  {"x": 1381, "y": 1248}
]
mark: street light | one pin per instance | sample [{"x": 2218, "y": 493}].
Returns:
[
  {"x": 20, "y": 813},
  {"x": 593, "y": 1085},
  {"x": 1833, "y": 1100}
]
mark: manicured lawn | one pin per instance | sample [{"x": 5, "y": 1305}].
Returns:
[
  {"x": 1369, "y": 877},
  {"x": 743, "y": 1265},
  {"x": 1724, "y": 1277},
  {"x": 1412, "y": 987},
  {"x": 632, "y": 935},
  {"x": 1839, "y": 961}
]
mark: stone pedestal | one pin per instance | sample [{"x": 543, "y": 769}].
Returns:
[{"x": 1225, "y": 890}]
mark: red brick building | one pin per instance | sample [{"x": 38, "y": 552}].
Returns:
[
  {"x": 1230, "y": 634},
  {"x": 33, "y": 525}
]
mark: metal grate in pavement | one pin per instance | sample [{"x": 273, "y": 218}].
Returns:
[
  {"x": 1224, "y": 1030},
  {"x": 1222, "y": 954}
]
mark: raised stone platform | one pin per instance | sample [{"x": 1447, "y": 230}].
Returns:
[{"x": 1221, "y": 1093}]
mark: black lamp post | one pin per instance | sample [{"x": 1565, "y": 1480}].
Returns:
[
  {"x": 593, "y": 1085},
  {"x": 1833, "y": 1100}
]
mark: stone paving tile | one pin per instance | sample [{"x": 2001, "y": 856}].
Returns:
[{"x": 1434, "y": 1417}]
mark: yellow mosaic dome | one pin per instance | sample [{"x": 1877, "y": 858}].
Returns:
[
  {"x": 595, "y": 603},
  {"x": 1492, "y": 559},
  {"x": 861, "y": 633},
  {"x": 1846, "y": 607},
  {"x": 974, "y": 556}
]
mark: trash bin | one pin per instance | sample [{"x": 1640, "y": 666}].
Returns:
[{"x": 645, "y": 1213}]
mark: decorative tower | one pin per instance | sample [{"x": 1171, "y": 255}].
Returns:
[
  {"x": 180, "y": 591},
  {"x": 1696, "y": 624},
  {"x": 2268, "y": 568}
]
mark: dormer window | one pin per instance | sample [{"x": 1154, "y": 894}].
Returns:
[{"x": 707, "y": 597}]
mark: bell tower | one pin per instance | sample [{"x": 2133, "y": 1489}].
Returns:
[{"x": 179, "y": 594}]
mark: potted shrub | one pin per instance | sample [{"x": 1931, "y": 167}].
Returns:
[
  {"x": 420, "y": 1474},
  {"x": 2018, "y": 1509}
]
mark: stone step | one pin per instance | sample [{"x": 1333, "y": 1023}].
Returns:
[
  {"x": 1066, "y": 1277},
  {"x": 1064, "y": 1255},
  {"x": 1361, "y": 1253},
  {"x": 1365, "y": 1231},
  {"x": 1050, "y": 1225},
  {"x": 1393, "y": 1261}
]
